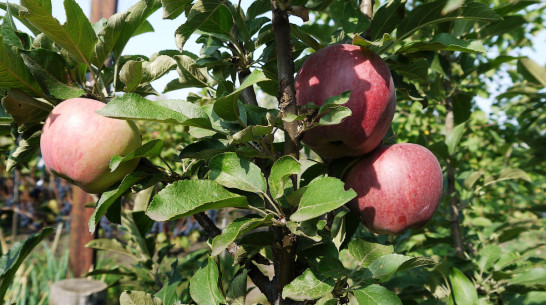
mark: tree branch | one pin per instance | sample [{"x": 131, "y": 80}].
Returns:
[
  {"x": 285, "y": 65},
  {"x": 366, "y": 7},
  {"x": 452, "y": 192},
  {"x": 285, "y": 257}
]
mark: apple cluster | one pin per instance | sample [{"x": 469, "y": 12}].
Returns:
[{"x": 398, "y": 186}]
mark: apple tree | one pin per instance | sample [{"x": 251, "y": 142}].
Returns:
[{"x": 244, "y": 150}]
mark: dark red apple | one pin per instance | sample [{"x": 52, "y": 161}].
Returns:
[
  {"x": 338, "y": 68},
  {"x": 398, "y": 186},
  {"x": 78, "y": 144}
]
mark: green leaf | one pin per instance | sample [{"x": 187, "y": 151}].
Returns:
[
  {"x": 322, "y": 195},
  {"x": 462, "y": 289},
  {"x": 112, "y": 245},
  {"x": 25, "y": 109},
  {"x": 279, "y": 178},
  {"x": 308, "y": 286},
  {"x": 416, "y": 70},
  {"x": 138, "y": 225},
  {"x": 131, "y": 75},
  {"x": 508, "y": 174},
  {"x": 454, "y": 137},
  {"x": 109, "y": 35},
  {"x": 444, "y": 42},
  {"x": 353, "y": 21},
  {"x": 236, "y": 229},
  {"x": 205, "y": 149},
  {"x": 359, "y": 41},
  {"x": 136, "y": 73},
  {"x": 156, "y": 67},
  {"x": 334, "y": 116},
  {"x": 233, "y": 171},
  {"x": 510, "y": 7},
  {"x": 130, "y": 297},
  {"x": 13, "y": 72},
  {"x": 173, "y": 8},
  {"x": 251, "y": 133},
  {"x": 77, "y": 36},
  {"x": 8, "y": 30},
  {"x": 10, "y": 261},
  {"x": 386, "y": 19},
  {"x": 208, "y": 16},
  {"x": 187, "y": 197},
  {"x": 28, "y": 145},
  {"x": 135, "y": 107},
  {"x": 531, "y": 277},
  {"x": 334, "y": 101},
  {"x": 291, "y": 117},
  {"x": 488, "y": 255},
  {"x": 365, "y": 252},
  {"x": 376, "y": 295},
  {"x": 431, "y": 13},
  {"x": 15, "y": 9},
  {"x": 297, "y": 32},
  {"x": 384, "y": 267},
  {"x": 226, "y": 106},
  {"x": 258, "y": 7},
  {"x": 168, "y": 293},
  {"x": 408, "y": 89},
  {"x": 111, "y": 196},
  {"x": 471, "y": 180},
  {"x": 532, "y": 71},
  {"x": 120, "y": 28},
  {"x": 236, "y": 293},
  {"x": 527, "y": 298},
  {"x": 204, "y": 285},
  {"x": 150, "y": 149},
  {"x": 42, "y": 64},
  {"x": 508, "y": 24},
  {"x": 332, "y": 267},
  {"x": 188, "y": 75}
]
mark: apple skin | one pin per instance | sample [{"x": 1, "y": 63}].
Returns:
[
  {"x": 343, "y": 67},
  {"x": 77, "y": 144},
  {"x": 398, "y": 187}
]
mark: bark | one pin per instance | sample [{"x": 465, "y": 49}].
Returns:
[{"x": 285, "y": 263}]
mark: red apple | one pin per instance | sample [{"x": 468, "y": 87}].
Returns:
[
  {"x": 398, "y": 186},
  {"x": 77, "y": 144},
  {"x": 334, "y": 70}
]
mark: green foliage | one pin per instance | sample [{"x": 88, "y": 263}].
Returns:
[
  {"x": 14, "y": 257},
  {"x": 226, "y": 149}
]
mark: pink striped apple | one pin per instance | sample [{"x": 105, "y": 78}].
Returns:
[{"x": 77, "y": 144}]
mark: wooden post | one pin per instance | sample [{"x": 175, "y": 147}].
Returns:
[
  {"x": 80, "y": 258},
  {"x": 78, "y": 292},
  {"x": 103, "y": 9}
]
